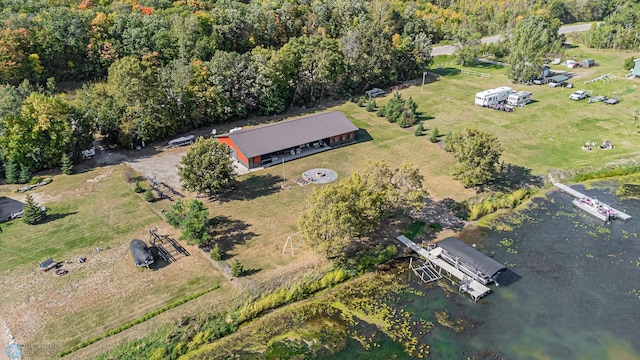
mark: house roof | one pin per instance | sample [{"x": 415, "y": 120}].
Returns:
[
  {"x": 140, "y": 252},
  {"x": 291, "y": 133},
  {"x": 471, "y": 256}
]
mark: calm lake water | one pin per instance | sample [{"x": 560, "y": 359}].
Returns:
[{"x": 575, "y": 294}]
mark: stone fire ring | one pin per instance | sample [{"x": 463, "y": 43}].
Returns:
[{"x": 320, "y": 176}]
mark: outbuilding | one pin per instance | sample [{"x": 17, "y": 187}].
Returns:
[
  {"x": 285, "y": 140},
  {"x": 636, "y": 68}
]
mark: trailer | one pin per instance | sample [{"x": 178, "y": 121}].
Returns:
[
  {"x": 521, "y": 98},
  {"x": 186, "y": 140},
  {"x": 493, "y": 96}
]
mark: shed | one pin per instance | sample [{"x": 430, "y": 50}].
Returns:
[
  {"x": 262, "y": 145},
  {"x": 47, "y": 264},
  {"x": 461, "y": 252},
  {"x": 636, "y": 68},
  {"x": 588, "y": 63},
  {"x": 141, "y": 254}
]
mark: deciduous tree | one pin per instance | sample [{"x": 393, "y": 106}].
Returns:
[
  {"x": 206, "y": 167},
  {"x": 478, "y": 154},
  {"x": 354, "y": 208},
  {"x": 191, "y": 216}
]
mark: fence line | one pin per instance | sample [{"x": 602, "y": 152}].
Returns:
[{"x": 475, "y": 73}]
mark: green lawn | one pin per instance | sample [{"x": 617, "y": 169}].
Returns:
[{"x": 85, "y": 211}]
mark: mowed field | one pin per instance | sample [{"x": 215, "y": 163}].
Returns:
[
  {"x": 549, "y": 133},
  {"x": 98, "y": 209}
]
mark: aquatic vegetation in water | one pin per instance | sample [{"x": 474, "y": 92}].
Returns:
[
  {"x": 589, "y": 256},
  {"x": 635, "y": 292},
  {"x": 603, "y": 230},
  {"x": 458, "y": 325}
]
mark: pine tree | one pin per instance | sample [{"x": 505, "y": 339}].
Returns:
[
  {"x": 236, "y": 269},
  {"x": 66, "y": 164},
  {"x": 25, "y": 175},
  {"x": 32, "y": 214},
  {"x": 216, "y": 253},
  {"x": 371, "y": 105},
  {"x": 419, "y": 129},
  {"x": 138, "y": 188},
  {"x": 434, "y": 135},
  {"x": 10, "y": 172}
]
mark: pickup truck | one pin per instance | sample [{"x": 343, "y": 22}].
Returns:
[{"x": 579, "y": 95}]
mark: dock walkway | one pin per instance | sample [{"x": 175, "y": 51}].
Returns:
[
  {"x": 475, "y": 289},
  {"x": 577, "y": 194}
]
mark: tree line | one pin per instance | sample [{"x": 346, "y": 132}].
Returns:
[{"x": 155, "y": 68}]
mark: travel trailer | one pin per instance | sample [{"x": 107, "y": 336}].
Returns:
[
  {"x": 493, "y": 96},
  {"x": 521, "y": 98}
]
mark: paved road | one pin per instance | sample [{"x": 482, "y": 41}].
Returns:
[{"x": 450, "y": 49}]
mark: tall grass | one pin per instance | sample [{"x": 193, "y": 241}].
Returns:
[
  {"x": 485, "y": 206},
  {"x": 607, "y": 173}
]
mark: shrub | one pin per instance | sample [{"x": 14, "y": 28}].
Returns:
[
  {"x": 447, "y": 142},
  {"x": 66, "y": 165},
  {"x": 371, "y": 105},
  {"x": 216, "y": 253},
  {"x": 138, "y": 188},
  {"x": 148, "y": 195},
  {"x": 236, "y": 269},
  {"x": 629, "y": 63},
  {"x": 361, "y": 101},
  {"x": 380, "y": 112}
]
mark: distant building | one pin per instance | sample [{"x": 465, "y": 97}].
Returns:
[
  {"x": 636, "y": 68},
  {"x": 265, "y": 145}
]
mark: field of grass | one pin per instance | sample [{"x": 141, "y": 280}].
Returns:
[
  {"x": 547, "y": 134},
  {"x": 96, "y": 209}
]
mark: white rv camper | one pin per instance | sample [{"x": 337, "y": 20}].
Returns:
[
  {"x": 493, "y": 96},
  {"x": 521, "y": 98}
]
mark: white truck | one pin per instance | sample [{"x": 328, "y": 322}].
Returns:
[
  {"x": 521, "y": 98},
  {"x": 495, "y": 96}
]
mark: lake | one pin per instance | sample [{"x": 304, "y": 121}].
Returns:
[{"x": 574, "y": 290}]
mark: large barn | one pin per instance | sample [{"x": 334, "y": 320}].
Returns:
[{"x": 286, "y": 140}]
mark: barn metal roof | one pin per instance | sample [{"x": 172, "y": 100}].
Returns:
[
  {"x": 471, "y": 256},
  {"x": 291, "y": 133}
]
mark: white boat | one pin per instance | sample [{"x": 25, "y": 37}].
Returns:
[{"x": 596, "y": 208}]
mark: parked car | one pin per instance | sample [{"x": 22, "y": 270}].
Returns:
[{"x": 579, "y": 95}]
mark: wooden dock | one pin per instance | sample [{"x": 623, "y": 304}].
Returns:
[
  {"x": 577, "y": 194},
  {"x": 435, "y": 268}
]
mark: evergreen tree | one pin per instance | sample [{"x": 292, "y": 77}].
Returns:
[
  {"x": 434, "y": 135},
  {"x": 419, "y": 129},
  {"x": 25, "y": 175},
  {"x": 32, "y": 213},
  {"x": 216, "y": 253},
  {"x": 10, "y": 172},
  {"x": 66, "y": 164},
  {"x": 236, "y": 268}
]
